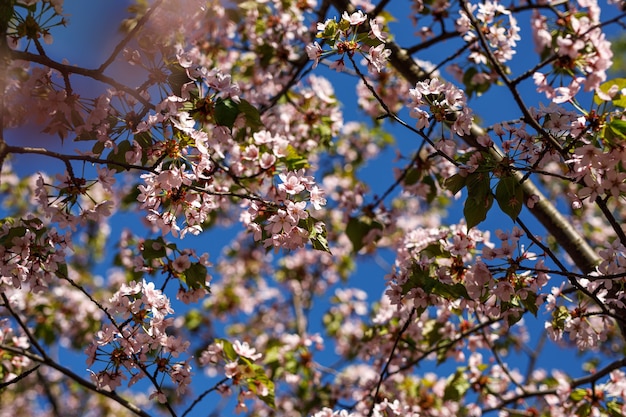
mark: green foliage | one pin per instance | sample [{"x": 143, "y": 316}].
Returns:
[
  {"x": 317, "y": 233},
  {"x": 358, "y": 228},
  {"x": 255, "y": 374},
  {"x": 618, "y": 100},
  {"x": 227, "y": 110},
  {"x": 118, "y": 156},
  {"x": 195, "y": 276},
  {"x": 479, "y": 199},
  {"x": 154, "y": 248},
  {"x": 293, "y": 160},
  {"x": 471, "y": 87},
  {"x": 423, "y": 278},
  {"x": 455, "y": 183},
  {"x": 456, "y": 387},
  {"x": 510, "y": 196}
]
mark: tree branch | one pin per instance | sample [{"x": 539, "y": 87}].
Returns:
[
  {"x": 76, "y": 378},
  {"x": 85, "y": 72},
  {"x": 589, "y": 379}
]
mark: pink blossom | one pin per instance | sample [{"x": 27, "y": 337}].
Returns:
[
  {"x": 314, "y": 52},
  {"x": 377, "y": 57},
  {"x": 355, "y": 18},
  {"x": 243, "y": 349},
  {"x": 292, "y": 183}
]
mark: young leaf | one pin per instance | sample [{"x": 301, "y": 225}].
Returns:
[
  {"x": 253, "y": 117},
  {"x": 195, "y": 276},
  {"x": 455, "y": 183},
  {"x": 358, "y": 228},
  {"x": 153, "y": 248},
  {"x": 618, "y": 128},
  {"x": 479, "y": 199},
  {"x": 226, "y": 112},
  {"x": 509, "y": 195},
  {"x": 456, "y": 388},
  {"x": 294, "y": 161},
  {"x": 259, "y": 379},
  {"x": 317, "y": 233},
  {"x": 618, "y": 100},
  {"x": 412, "y": 176},
  {"x": 119, "y": 156},
  {"x": 476, "y": 209}
]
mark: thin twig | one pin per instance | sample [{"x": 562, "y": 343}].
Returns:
[{"x": 76, "y": 378}]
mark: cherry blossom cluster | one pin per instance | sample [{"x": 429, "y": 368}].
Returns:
[
  {"x": 73, "y": 201},
  {"x": 284, "y": 224},
  {"x": 157, "y": 258},
  {"x": 499, "y": 27},
  {"x": 239, "y": 361},
  {"x": 344, "y": 37},
  {"x": 29, "y": 27},
  {"x": 217, "y": 161},
  {"x": 136, "y": 342},
  {"x": 31, "y": 254},
  {"x": 462, "y": 276},
  {"x": 12, "y": 364},
  {"x": 443, "y": 102},
  {"x": 582, "y": 52}
]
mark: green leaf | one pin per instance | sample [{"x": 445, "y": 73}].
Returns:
[
  {"x": 153, "y": 249},
  {"x": 615, "y": 409},
  {"x": 330, "y": 29},
  {"x": 193, "y": 320},
  {"x": 7, "y": 240},
  {"x": 455, "y": 183},
  {"x": 177, "y": 78},
  {"x": 618, "y": 100},
  {"x": 578, "y": 394},
  {"x": 479, "y": 199},
  {"x": 61, "y": 271},
  {"x": 144, "y": 139},
  {"x": 294, "y": 161},
  {"x": 226, "y": 112},
  {"x": 412, "y": 176},
  {"x": 432, "y": 188},
  {"x": 509, "y": 195},
  {"x": 618, "y": 128},
  {"x": 265, "y": 54},
  {"x": 358, "y": 228},
  {"x": 559, "y": 316},
  {"x": 317, "y": 233},
  {"x": 261, "y": 378},
  {"x": 456, "y": 388},
  {"x": 227, "y": 348},
  {"x": 423, "y": 279},
  {"x": 530, "y": 302},
  {"x": 253, "y": 117},
  {"x": 476, "y": 209},
  {"x": 468, "y": 75},
  {"x": 584, "y": 410},
  {"x": 98, "y": 147},
  {"x": 119, "y": 156},
  {"x": 195, "y": 276}
]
